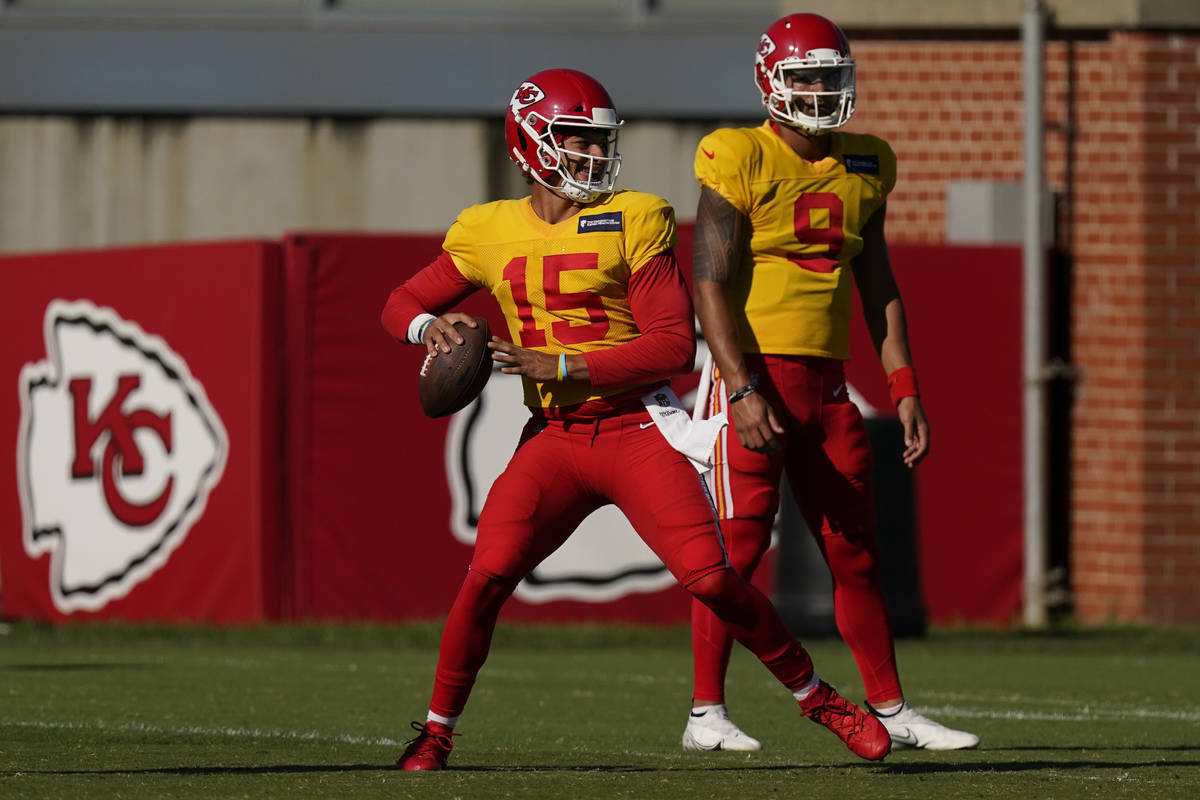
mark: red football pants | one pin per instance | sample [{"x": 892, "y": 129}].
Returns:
[
  {"x": 827, "y": 458},
  {"x": 561, "y": 473}
]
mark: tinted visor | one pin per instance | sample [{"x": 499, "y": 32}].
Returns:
[{"x": 809, "y": 79}]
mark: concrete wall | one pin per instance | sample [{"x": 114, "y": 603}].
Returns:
[
  {"x": 97, "y": 181},
  {"x": 69, "y": 182}
]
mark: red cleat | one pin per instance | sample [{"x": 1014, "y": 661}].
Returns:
[
  {"x": 430, "y": 749},
  {"x": 862, "y": 733}
]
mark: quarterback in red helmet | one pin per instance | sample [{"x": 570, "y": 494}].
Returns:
[{"x": 547, "y": 108}]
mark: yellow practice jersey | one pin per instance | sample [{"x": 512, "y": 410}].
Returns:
[
  {"x": 563, "y": 288},
  {"x": 792, "y": 291}
]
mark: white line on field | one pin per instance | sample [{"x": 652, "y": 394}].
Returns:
[
  {"x": 195, "y": 730},
  {"x": 1083, "y": 714},
  {"x": 1014, "y": 698}
]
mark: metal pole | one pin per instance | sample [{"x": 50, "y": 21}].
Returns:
[{"x": 1034, "y": 308}]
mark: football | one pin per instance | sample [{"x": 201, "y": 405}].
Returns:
[{"x": 452, "y": 380}]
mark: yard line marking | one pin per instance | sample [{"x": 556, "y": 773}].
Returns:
[
  {"x": 196, "y": 730},
  {"x": 1083, "y": 714},
  {"x": 1013, "y": 698}
]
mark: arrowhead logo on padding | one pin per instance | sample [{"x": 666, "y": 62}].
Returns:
[{"x": 119, "y": 449}]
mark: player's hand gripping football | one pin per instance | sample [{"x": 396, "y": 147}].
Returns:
[
  {"x": 757, "y": 428},
  {"x": 440, "y": 334},
  {"x": 532, "y": 364},
  {"x": 916, "y": 430}
]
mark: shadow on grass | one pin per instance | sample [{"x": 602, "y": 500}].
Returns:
[
  {"x": 284, "y": 769},
  {"x": 893, "y": 768}
]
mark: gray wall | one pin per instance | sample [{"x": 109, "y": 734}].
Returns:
[
  {"x": 136, "y": 121},
  {"x": 144, "y": 121},
  {"x": 71, "y": 181}
]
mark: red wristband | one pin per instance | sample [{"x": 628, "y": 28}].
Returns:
[{"x": 902, "y": 383}]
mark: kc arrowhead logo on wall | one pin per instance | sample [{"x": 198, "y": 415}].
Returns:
[{"x": 118, "y": 451}]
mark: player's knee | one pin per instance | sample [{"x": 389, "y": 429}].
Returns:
[
  {"x": 852, "y": 561},
  {"x": 725, "y": 593},
  {"x": 487, "y": 589},
  {"x": 501, "y": 561}
]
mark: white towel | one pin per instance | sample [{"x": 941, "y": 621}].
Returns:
[{"x": 693, "y": 438}]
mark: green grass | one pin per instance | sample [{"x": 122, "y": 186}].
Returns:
[{"x": 578, "y": 712}]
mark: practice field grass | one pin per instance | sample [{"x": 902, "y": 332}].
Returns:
[{"x": 574, "y": 712}]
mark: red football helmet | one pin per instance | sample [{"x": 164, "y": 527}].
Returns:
[
  {"x": 540, "y": 109},
  {"x": 795, "y": 55}
]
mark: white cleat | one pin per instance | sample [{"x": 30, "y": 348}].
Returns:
[
  {"x": 710, "y": 728},
  {"x": 909, "y": 729}
]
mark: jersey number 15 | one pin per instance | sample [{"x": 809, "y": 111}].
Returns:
[{"x": 556, "y": 300}]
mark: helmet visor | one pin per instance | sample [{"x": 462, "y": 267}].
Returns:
[
  {"x": 814, "y": 96},
  {"x": 817, "y": 79}
]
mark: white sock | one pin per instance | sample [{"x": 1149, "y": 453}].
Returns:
[
  {"x": 804, "y": 691},
  {"x": 449, "y": 722},
  {"x": 888, "y": 712}
]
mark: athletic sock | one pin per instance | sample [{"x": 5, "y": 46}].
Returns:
[
  {"x": 890, "y": 712},
  {"x": 804, "y": 691},
  {"x": 449, "y": 722}
]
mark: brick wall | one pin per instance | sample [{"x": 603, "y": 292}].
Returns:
[{"x": 1123, "y": 115}]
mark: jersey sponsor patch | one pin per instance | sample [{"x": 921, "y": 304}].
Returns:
[
  {"x": 864, "y": 165},
  {"x": 600, "y": 222}
]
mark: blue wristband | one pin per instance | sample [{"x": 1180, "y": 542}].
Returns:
[
  {"x": 562, "y": 366},
  {"x": 421, "y": 331}
]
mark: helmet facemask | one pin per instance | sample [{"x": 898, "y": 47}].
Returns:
[
  {"x": 599, "y": 175},
  {"x": 815, "y": 93}
]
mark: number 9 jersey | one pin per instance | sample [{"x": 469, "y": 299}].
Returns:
[
  {"x": 792, "y": 291},
  {"x": 563, "y": 288}
]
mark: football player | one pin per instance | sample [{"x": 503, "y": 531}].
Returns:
[
  {"x": 791, "y": 215},
  {"x": 600, "y": 318}
]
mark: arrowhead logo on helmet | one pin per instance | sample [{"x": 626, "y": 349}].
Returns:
[
  {"x": 118, "y": 451},
  {"x": 526, "y": 95}
]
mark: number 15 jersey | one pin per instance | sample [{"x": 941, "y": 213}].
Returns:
[
  {"x": 791, "y": 293},
  {"x": 563, "y": 288}
]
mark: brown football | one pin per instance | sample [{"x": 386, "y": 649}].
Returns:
[{"x": 452, "y": 380}]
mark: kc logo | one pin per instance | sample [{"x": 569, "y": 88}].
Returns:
[
  {"x": 119, "y": 428},
  {"x": 526, "y": 95},
  {"x": 119, "y": 449}
]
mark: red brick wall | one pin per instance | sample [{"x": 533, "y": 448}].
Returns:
[{"x": 1123, "y": 150}]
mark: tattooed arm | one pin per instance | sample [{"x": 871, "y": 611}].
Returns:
[{"x": 716, "y": 252}]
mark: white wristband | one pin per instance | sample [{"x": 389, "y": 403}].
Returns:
[{"x": 414, "y": 327}]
